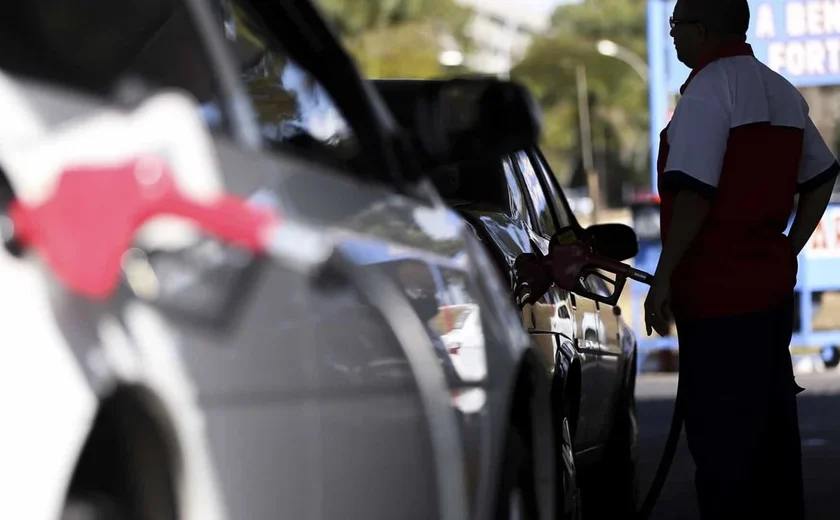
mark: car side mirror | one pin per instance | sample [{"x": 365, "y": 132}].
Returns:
[{"x": 615, "y": 241}]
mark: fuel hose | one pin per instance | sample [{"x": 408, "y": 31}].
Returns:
[{"x": 667, "y": 458}]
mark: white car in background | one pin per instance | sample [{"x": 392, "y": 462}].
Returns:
[{"x": 465, "y": 342}]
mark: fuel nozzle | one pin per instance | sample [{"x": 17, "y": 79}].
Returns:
[{"x": 572, "y": 258}]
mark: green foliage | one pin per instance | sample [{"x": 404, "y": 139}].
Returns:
[
  {"x": 353, "y": 17},
  {"x": 401, "y": 38},
  {"x": 397, "y": 38},
  {"x": 618, "y": 96}
]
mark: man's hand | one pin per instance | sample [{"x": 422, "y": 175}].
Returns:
[
  {"x": 657, "y": 308},
  {"x": 688, "y": 214}
]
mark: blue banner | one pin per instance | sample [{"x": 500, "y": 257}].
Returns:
[{"x": 798, "y": 39}]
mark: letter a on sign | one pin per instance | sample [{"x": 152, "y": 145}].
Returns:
[
  {"x": 819, "y": 240},
  {"x": 836, "y": 230},
  {"x": 825, "y": 242},
  {"x": 766, "y": 25}
]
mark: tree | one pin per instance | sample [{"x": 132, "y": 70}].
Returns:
[
  {"x": 398, "y": 38},
  {"x": 618, "y": 97}
]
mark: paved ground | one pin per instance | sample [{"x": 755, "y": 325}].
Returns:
[{"x": 819, "y": 418}]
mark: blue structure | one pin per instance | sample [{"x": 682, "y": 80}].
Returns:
[{"x": 801, "y": 40}]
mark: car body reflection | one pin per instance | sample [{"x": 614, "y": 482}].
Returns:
[{"x": 441, "y": 297}]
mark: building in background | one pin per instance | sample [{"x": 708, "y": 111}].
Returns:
[{"x": 502, "y": 30}]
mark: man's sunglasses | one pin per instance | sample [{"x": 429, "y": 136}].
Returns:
[{"x": 675, "y": 23}]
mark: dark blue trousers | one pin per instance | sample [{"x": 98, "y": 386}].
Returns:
[{"x": 741, "y": 421}]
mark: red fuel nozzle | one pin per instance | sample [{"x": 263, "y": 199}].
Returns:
[
  {"x": 570, "y": 260},
  {"x": 83, "y": 229}
]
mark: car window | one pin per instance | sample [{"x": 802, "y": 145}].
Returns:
[
  {"x": 558, "y": 200},
  {"x": 481, "y": 183},
  {"x": 293, "y": 107},
  {"x": 543, "y": 213}
]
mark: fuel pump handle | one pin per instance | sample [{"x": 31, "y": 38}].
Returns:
[{"x": 569, "y": 262}]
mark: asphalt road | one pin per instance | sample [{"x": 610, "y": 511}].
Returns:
[{"x": 819, "y": 419}]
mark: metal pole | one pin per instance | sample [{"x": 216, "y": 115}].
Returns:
[
  {"x": 586, "y": 142},
  {"x": 657, "y": 21}
]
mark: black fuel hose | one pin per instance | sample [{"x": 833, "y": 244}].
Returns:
[{"x": 667, "y": 458}]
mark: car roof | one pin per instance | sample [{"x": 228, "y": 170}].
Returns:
[{"x": 399, "y": 94}]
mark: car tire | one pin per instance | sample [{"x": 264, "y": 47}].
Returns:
[
  {"x": 616, "y": 476},
  {"x": 830, "y": 356},
  {"x": 518, "y": 496},
  {"x": 92, "y": 507}
]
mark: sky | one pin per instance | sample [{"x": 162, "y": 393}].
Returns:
[
  {"x": 533, "y": 7},
  {"x": 545, "y": 5}
]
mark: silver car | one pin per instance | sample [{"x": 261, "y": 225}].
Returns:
[{"x": 230, "y": 289}]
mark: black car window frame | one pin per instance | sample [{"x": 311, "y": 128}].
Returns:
[
  {"x": 512, "y": 176},
  {"x": 535, "y": 224},
  {"x": 558, "y": 197}
]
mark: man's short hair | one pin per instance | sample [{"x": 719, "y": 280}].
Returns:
[
  {"x": 732, "y": 17},
  {"x": 736, "y": 16}
]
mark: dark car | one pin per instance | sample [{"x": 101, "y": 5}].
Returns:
[
  {"x": 178, "y": 374},
  {"x": 515, "y": 205}
]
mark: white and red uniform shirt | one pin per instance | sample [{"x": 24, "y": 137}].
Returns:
[{"x": 740, "y": 135}]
